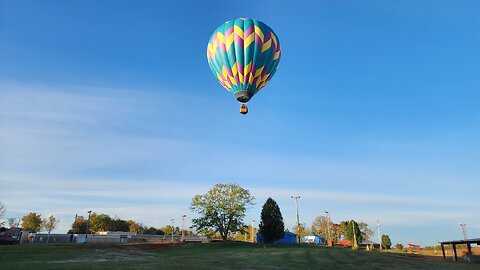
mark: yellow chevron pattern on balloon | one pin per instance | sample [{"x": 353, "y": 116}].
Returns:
[
  {"x": 231, "y": 37},
  {"x": 259, "y": 32},
  {"x": 231, "y": 77},
  {"x": 243, "y": 55}
]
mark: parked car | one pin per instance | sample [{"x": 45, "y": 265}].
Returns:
[{"x": 8, "y": 239}]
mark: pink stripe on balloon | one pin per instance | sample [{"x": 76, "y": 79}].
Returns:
[
  {"x": 240, "y": 68},
  {"x": 248, "y": 32},
  {"x": 229, "y": 71},
  {"x": 267, "y": 36},
  {"x": 258, "y": 41},
  {"x": 222, "y": 46},
  {"x": 238, "y": 40},
  {"x": 229, "y": 31},
  {"x": 254, "y": 81}
]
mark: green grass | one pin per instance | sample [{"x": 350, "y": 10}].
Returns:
[{"x": 210, "y": 256}]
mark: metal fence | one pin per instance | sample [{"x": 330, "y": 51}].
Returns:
[{"x": 112, "y": 238}]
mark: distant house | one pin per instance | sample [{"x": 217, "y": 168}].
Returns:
[
  {"x": 314, "y": 239},
  {"x": 288, "y": 238},
  {"x": 344, "y": 243},
  {"x": 368, "y": 245}
]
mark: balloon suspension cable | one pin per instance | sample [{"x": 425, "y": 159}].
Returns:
[{"x": 243, "y": 109}]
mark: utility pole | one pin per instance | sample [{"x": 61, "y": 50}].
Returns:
[
  {"x": 173, "y": 227},
  {"x": 298, "y": 218},
  {"x": 354, "y": 236},
  {"x": 253, "y": 231},
  {"x": 379, "y": 238},
  {"x": 183, "y": 227},
  {"x": 328, "y": 226},
  {"x": 464, "y": 231},
  {"x": 88, "y": 224}
]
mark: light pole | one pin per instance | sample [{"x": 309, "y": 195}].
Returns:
[
  {"x": 298, "y": 218},
  {"x": 328, "y": 226},
  {"x": 88, "y": 224},
  {"x": 464, "y": 231},
  {"x": 253, "y": 231},
  {"x": 173, "y": 227},
  {"x": 183, "y": 227},
  {"x": 379, "y": 238}
]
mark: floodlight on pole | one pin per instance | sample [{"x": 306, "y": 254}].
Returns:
[{"x": 298, "y": 218}]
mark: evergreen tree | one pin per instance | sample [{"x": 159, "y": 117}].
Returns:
[
  {"x": 348, "y": 227},
  {"x": 271, "y": 224}
]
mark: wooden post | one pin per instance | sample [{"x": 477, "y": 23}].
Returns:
[
  {"x": 455, "y": 252},
  {"x": 443, "y": 250},
  {"x": 469, "y": 249}
]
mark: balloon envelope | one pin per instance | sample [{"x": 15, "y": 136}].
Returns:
[{"x": 243, "y": 55}]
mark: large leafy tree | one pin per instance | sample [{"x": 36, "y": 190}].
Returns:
[
  {"x": 13, "y": 222},
  {"x": 367, "y": 233},
  {"x": 386, "y": 242},
  {"x": 2, "y": 213},
  {"x": 119, "y": 225},
  {"x": 271, "y": 223},
  {"x": 49, "y": 225},
  {"x": 169, "y": 228},
  {"x": 321, "y": 225},
  {"x": 153, "y": 230},
  {"x": 136, "y": 227},
  {"x": 336, "y": 232},
  {"x": 304, "y": 231},
  {"x": 100, "y": 222},
  {"x": 222, "y": 209},
  {"x": 79, "y": 225},
  {"x": 32, "y": 222}
]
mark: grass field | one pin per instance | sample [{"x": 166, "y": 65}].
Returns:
[{"x": 210, "y": 256}]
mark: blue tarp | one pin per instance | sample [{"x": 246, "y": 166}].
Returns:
[
  {"x": 313, "y": 239},
  {"x": 288, "y": 238}
]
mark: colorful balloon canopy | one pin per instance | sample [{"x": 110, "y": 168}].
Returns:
[{"x": 243, "y": 54}]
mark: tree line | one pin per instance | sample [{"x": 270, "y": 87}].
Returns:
[
  {"x": 103, "y": 222},
  {"x": 220, "y": 213},
  {"x": 32, "y": 222},
  {"x": 222, "y": 210}
]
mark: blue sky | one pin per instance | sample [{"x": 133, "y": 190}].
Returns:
[{"x": 373, "y": 114}]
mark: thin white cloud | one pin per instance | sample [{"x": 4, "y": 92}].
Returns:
[{"x": 116, "y": 152}]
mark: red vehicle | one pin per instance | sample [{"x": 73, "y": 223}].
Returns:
[{"x": 10, "y": 237}]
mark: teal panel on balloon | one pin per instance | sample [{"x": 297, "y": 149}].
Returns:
[{"x": 243, "y": 55}]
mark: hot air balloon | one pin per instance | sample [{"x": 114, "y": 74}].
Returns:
[{"x": 243, "y": 55}]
